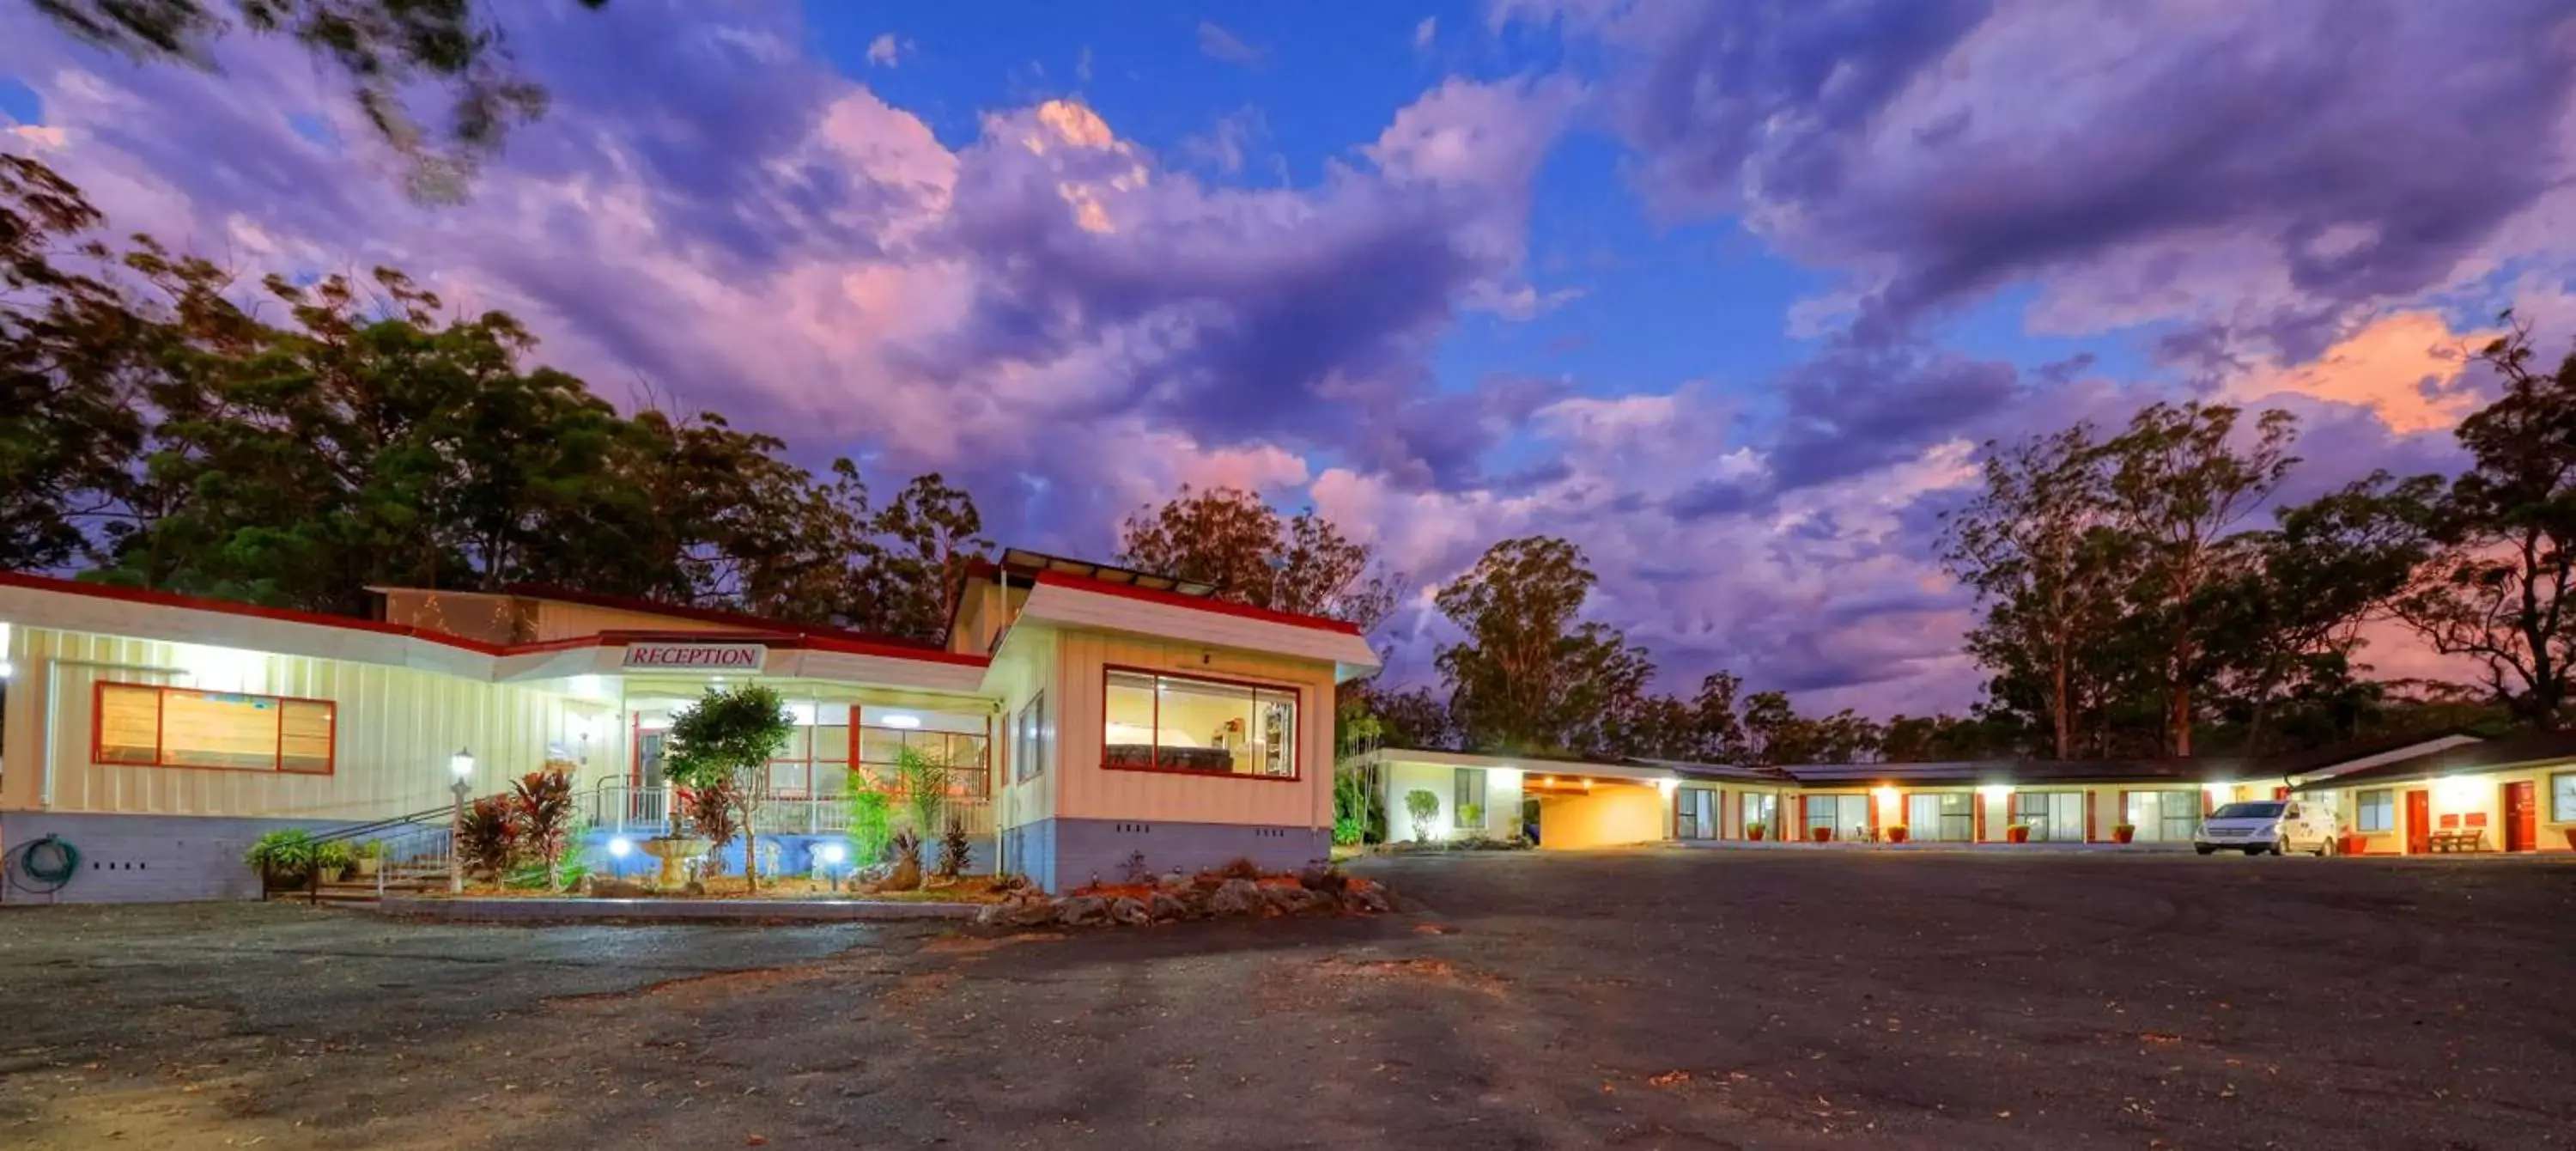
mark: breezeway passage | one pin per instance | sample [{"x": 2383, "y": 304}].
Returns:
[{"x": 1650, "y": 998}]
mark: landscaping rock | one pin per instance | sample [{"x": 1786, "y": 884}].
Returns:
[
  {"x": 1037, "y": 912},
  {"x": 1129, "y": 910},
  {"x": 1370, "y": 899},
  {"x": 1081, "y": 910},
  {"x": 1167, "y": 907},
  {"x": 1235, "y": 897},
  {"x": 1319, "y": 877}
]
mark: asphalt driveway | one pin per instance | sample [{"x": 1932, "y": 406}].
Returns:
[{"x": 1662, "y": 998}]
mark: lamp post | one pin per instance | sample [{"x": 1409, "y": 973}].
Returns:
[{"x": 460, "y": 765}]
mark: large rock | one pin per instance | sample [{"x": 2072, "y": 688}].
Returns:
[
  {"x": 1368, "y": 899},
  {"x": 1129, "y": 910},
  {"x": 1037, "y": 912},
  {"x": 1168, "y": 906},
  {"x": 1319, "y": 877},
  {"x": 1080, "y": 910},
  {"x": 1235, "y": 897}
]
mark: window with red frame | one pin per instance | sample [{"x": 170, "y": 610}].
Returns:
[
  {"x": 147, "y": 725},
  {"x": 1158, "y": 722}
]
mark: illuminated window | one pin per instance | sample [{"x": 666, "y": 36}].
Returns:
[
  {"x": 1846, "y": 815},
  {"x": 955, "y": 739},
  {"x": 1758, "y": 809},
  {"x": 144, "y": 725},
  {"x": 2562, "y": 797},
  {"x": 1156, "y": 722},
  {"x": 1695, "y": 813},
  {"x": 1467, "y": 798},
  {"x": 1027, "y": 745},
  {"x": 2057, "y": 815},
  {"x": 1943, "y": 817},
  {"x": 2377, "y": 810}
]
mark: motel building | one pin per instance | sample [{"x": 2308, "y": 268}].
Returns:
[
  {"x": 1094, "y": 715},
  {"x": 2400, "y": 796}
]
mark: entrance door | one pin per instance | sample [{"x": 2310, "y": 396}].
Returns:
[
  {"x": 2419, "y": 822},
  {"x": 2522, "y": 816}
]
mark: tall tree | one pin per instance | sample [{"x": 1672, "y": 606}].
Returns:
[
  {"x": 1233, "y": 541},
  {"x": 70, "y": 428},
  {"x": 1526, "y": 669},
  {"x": 2039, "y": 548},
  {"x": 924, "y": 540},
  {"x": 2497, "y": 592},
  {"x": 387, "y": 49},
  {"x": 2178, "y": 487},
  {"x": 2287, "y": 621}
]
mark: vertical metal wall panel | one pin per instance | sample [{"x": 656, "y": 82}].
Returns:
[
  {"x": 395, "y": 729},
  {"x": 1023, "y": 667},
  {"x": 1092, "y": 792}
]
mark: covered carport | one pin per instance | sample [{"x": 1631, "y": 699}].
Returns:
[{"x": 1600, "y": 805}]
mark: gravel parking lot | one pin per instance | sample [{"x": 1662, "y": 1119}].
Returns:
[{"x": 1653, "y": 998}]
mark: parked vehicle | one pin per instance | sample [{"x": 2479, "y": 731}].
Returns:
[{"x": 2268, "y": 827}]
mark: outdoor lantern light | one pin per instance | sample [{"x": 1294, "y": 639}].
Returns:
[
  {"x": 832, "y": 855},
  {"x": 460, "y": 765},
  {"x": 617, "y": 849}
]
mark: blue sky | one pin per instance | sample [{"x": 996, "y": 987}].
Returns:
[{"x": 1727, "y": 293}]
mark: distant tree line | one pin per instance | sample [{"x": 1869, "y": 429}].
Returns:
[{"x": 164, "y": 426}]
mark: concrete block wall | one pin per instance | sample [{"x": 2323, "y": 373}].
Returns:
[{"x": 146, "y": 858}]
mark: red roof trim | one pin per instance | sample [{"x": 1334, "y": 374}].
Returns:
[
  {"x": 229, "y": 607},
  {"x": 844, "y": 643},
  {"x": 1200, "y": 603}
]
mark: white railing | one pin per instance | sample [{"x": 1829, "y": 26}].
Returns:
[
  {"x": 417, "y": 850},
  {"x": 617, "y": 805}
]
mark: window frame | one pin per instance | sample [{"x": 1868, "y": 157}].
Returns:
[
  {"x": 1027, "y": 736},
  {"x": 2362, "y": 804},
  {"x": 161, "y": 733},
  {"x": 1296, "y": 725},
  {"x": 2558, "y": 814},
  {"x": 1458, "y": 789}
]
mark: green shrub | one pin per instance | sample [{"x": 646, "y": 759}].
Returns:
[
  {"x": 1347, "y": 830},
  {"x": 284, "y": 853},
  {"x": 871, "y": 821},
  {"x": 333, "y": 855},
  {"x": 955, "y": 849},
  {"x": 1424, "y": 807},
  {"x": 487, "y": 841}
]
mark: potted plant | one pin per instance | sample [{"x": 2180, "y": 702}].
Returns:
[
  {"x": 370, "y": 858},
  {"x": 1896, "y": 832},
  {"x": 281, "y": 857},
  {"x": 2017, "y": 833},
  {"x": 2123, "y": 832},
  {"x": 1753, "y": 831},
  {"x": 332, "y": 859},
  {"x": 1820, "y": 834}
]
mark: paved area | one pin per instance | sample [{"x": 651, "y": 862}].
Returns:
[{"x": 1670, "y": 998}]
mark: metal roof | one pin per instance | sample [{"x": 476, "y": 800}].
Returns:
[
  {"x": 1024, "y": 560},
  {"x": 2504, "y": 754}
]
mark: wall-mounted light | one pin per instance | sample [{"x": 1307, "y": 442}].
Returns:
[{"x": 1995, "y": 790}]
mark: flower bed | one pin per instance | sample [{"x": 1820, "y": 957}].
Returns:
[{"x": 1208, "y": 895}]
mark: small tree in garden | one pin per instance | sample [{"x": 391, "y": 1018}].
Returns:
[
  {"x": 955, "y": 849},
  {"x": 544, "y": 803},
  {"x": 907, "y": 861},
  {"x": 487, "y": 841},
  {"x": 726, "y": 739},
  {"x": 708, "y": 811},
  {"x": 1424, "y": 807},
  {"x": 925, "y": 787},
  {"x": 871, "y": 820}
]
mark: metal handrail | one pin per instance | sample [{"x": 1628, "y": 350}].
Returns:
[{"x": 442, "y": 813}]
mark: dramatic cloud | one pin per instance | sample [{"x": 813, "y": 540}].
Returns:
[{"x": 2312, "y": 204}]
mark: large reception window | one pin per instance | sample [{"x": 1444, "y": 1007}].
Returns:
[
  {"x": 1157, "y": 722},
  {"x": 152, "y": 726}
]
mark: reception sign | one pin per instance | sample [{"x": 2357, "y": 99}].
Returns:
[{"x": 742, "y": 657}]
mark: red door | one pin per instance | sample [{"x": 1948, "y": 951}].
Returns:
[
  {"x": 2419, "y": 822},
  {"x": 2522, "y": 816}
]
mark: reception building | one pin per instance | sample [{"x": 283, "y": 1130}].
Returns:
[{"x": 1095, "y": 717}]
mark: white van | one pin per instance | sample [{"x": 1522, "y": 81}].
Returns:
[{"x": 2268, "y": 827}]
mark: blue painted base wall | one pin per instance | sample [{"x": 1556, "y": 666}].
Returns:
[
  {"x": 147, "y": 858},
  {"x": 1059, "y": 854},
  {"x": 787, "y": 855}
]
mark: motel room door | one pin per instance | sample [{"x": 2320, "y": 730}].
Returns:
[
  {"x": 2419, "y": 821},
  {"x": 2522, "y": 816}
]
